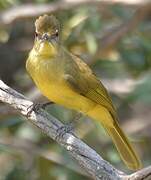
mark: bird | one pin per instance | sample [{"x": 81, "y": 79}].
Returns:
[{"x": 67, "y": 80}]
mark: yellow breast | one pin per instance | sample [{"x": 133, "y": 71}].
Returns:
[
  {"x": 48, "y": 76},
  {"x": 55, "y": 88}
]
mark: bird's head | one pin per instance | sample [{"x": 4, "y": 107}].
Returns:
[
  {"x": 47, "y": 32},
  {"x": 47, "y": 28}
]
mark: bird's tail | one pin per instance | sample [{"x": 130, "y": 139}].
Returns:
[
  {"x": 121, "y": 142},
  {"x": 123, "y": 146}
]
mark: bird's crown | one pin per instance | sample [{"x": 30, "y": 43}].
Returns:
[{"x": 47, "y": 24}]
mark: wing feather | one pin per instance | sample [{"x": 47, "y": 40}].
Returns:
[{"x": 87, "y": 84}]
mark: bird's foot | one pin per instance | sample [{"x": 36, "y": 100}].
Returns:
[
  {"x": 44, "y": 105},
  {"x": 61, "y": 131},
  {"x": 68, "y": 127},
  {"x": 37, "y": 106}
]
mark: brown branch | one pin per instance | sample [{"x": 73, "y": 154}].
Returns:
[{"x": 34, "y": 10}]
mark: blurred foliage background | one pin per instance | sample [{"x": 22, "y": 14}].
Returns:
[{"x": 115, "y": 40}]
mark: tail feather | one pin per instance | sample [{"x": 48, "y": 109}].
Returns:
[
  {"x": 110, "y": 123},
  {"x": 123, "y": 146}
]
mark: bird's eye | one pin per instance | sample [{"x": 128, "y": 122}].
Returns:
[
  {"x": 56, "y": 33},
  {"x": 36, "y": 34}
]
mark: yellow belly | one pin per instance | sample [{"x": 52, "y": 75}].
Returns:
[
  {"x": 60, "y": 93},
  {"x": 57, "y": 90}
]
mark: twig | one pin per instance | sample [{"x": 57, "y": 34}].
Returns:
[
  {"x": 33, "y": 10},
  {"x": 95, "y": 166},
  {"x": 144, "y": 174}
]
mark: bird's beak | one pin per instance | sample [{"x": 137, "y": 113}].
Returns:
[
  {"x": 49, "y": 38},
  {"x": 46, "y": 37}
]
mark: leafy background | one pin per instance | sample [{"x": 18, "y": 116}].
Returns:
[{"x": 116, "y": 42}]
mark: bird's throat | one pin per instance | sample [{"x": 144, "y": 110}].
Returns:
[{"x": 45, "y": 49}]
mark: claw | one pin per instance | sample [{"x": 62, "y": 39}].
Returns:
[
  {"x": 44, "y": 105},
  {"x": 33, "y": 107},
  {"x": 67, "y": 128},
  {"x": 37, "y": 106}
]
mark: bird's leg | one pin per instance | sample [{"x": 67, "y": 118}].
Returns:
[
  {"x": 37, "y": 106},
  {"x": 68, "y": 127},
  {"x": 44, "y": 105}
]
